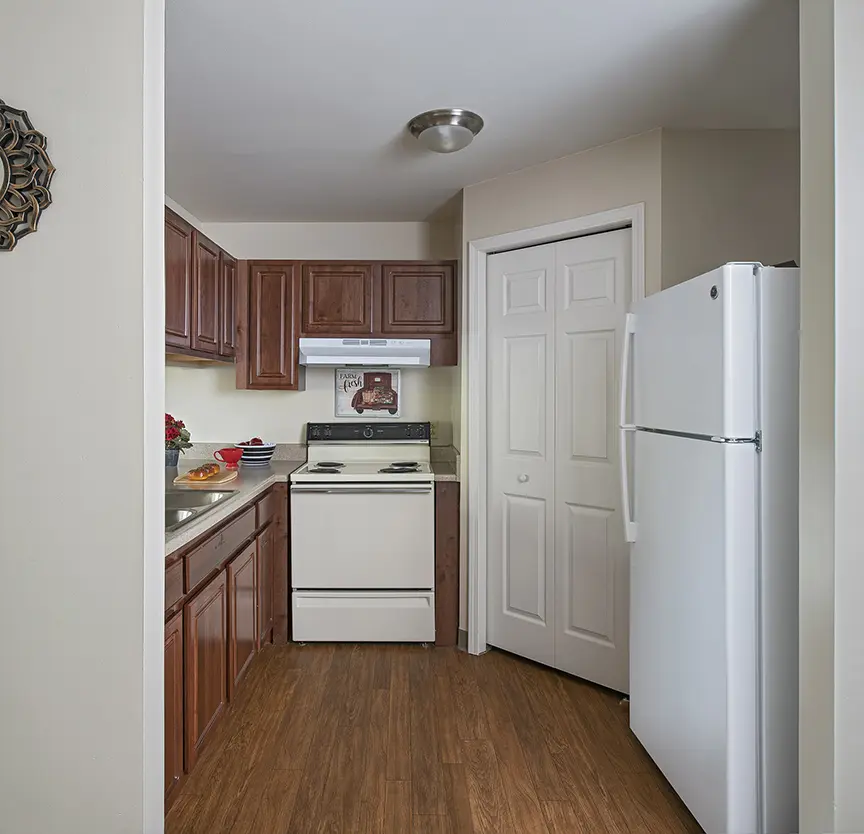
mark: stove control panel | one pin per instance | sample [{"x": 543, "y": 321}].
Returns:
[{"x": 389, "y": 432}]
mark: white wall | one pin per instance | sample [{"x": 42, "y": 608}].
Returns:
[
  {"x": 206, "y": 398},
  {"x": 216, "y": 412},
  {"x": 77, "y": 344},
  {"x": 848, "y": 416},
  {"x": 728, "y": 195}
]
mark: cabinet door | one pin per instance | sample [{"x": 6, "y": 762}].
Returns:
[
  {"x": 274, "y": 325},
  {"x": 266, "y": 547},
  {"x": 206, "y": 627},
  {"x": 242, "y": 614},
  {"x": 173, "y": 702},
  {"x": 418, "y": 299},
  {"x": 337, "y": 299},
  {"x": 227, "y": 304},
  {"x": 178, "y": 281},
  {"x": 446, "y": 563},
  {"x": 205, "y": 295}
]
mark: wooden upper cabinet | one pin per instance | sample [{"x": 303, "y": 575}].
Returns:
[
  {"x": 206, "y": 324},
  {"x": 205, "y": 619},
  {"x": 173, "y": 703},
  {"x": 417, "y": 299},
  {"x": 227, "y": 305},
  {"x": 273, "y": 317},
  {"x": 178, "y": 281},
  {"x": 243, "y": 614},
  {"x": 337, "y": 299}
]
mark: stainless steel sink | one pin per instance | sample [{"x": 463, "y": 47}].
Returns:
[
  {"x": 177, "y": 518},
  {"x": 193, "y": 499},
  {"x": 185, "y": 505}
]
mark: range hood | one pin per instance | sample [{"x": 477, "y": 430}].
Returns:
[{"x": 392, "y": 353}]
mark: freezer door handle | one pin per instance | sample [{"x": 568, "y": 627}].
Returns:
[{"x": 624, "y": 428}]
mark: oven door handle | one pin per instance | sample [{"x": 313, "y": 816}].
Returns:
[{"x": 418, "y": 490}]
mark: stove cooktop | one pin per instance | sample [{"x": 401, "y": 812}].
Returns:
[{"x": 368, "y": 470}]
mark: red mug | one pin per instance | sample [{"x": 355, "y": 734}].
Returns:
[{"x": 230, "y": 457}]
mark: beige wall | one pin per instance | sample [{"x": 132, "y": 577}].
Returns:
[
  {"x": 600, "y": 179},
  {"x": 78, "y": 337},
  {"x": 816, "y": 521},
  {"x": 608, "y": 177},
  {"x": 316, "y": 241},
  {"x": 728, "y": 195},
  {"x": 832, "y": 413},
  {"x": 186, "y": 215},
  {"x": 216, "y": 412},
  {"x": 691, "y": 184},
  {"x": 207, "y": 398}
]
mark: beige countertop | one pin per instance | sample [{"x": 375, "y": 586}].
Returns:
[
  {"x": 444, "y": 470},
  {"x": 251, "y": 483}
]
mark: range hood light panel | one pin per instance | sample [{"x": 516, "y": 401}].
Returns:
[{"x": 360, "y": 353}]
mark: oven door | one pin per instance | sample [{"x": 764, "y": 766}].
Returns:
[{"x": 362, "y": 536}]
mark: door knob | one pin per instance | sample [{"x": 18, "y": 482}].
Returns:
[{"x": 523, "y": 479}]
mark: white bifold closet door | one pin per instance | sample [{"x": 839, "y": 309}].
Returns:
[{"x": 558, "y": 565}]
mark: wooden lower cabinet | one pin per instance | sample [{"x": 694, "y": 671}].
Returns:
[
  {"x": 242, "y": 614},
  {"x": 173, "y": 704},
  {"x": 206, "y": 630},
  {"x": 266, "y": 547},
  {"x": 446, "y": 563},
  {"x": 213, "y": 634}
]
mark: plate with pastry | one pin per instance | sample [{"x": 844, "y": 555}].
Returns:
[{"x": 208, "y": 474}]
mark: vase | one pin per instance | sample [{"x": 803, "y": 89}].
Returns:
[{"x": 172, "y": 456}]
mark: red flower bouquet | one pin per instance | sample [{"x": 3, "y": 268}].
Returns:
[{"x": 176, "y": 434}]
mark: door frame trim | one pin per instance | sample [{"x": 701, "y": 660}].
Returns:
[{"x": 632, "y": 217}]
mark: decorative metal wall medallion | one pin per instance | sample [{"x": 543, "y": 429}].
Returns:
[{"x": 25, "y": 176}]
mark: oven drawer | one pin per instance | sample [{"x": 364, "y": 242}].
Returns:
[
  {"x": 361, "y": 537},
  {"x": 363, "y": 617}
]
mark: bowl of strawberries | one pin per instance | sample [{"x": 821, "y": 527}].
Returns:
[{"x": 256, "y": 452}]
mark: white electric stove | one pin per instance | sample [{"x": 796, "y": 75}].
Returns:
[{"x": 363, "y": 534}]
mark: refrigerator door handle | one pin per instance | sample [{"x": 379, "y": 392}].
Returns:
[{"x": 630, "y": 526}]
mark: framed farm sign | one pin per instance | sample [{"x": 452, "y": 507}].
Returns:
[{"x": 367, "y": 391}]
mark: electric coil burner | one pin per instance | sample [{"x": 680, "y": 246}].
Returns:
[{"x": 363, "y": 534}]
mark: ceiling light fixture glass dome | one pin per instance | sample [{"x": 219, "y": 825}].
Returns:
[{"x": 445, "y": 131}]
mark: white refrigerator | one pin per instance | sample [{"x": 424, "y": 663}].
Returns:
[{"x": 709, "y": 442}]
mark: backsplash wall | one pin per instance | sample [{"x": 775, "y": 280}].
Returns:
[{"x": 207, "y": 400}]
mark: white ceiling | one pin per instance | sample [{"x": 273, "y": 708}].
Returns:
[{"x": 296, "y": 109}]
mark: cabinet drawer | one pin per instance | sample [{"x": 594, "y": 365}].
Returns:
[
  {"x": 268, "y": 507},
  {"x": 173, "y": 584},
  {"x": 364, "y": 616},
  {"x": 219, "y": 547}
]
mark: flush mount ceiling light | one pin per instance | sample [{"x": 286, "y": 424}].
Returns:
[{"x": 445, "y": 131}]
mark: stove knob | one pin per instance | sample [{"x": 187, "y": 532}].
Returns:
[{"x": 367, "y": 432}]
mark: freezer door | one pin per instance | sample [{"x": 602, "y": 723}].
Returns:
[
  {"x": 694, "y": 355},
  {"x": 693, "y": 659}
]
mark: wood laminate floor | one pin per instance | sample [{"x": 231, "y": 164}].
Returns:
[{"x": 379, "y": 739}]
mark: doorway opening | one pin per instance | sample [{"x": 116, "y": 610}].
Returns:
[{"x": 482, "y": 255}]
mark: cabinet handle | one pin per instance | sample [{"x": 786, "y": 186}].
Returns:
[{"x": 523, "y": 479}]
